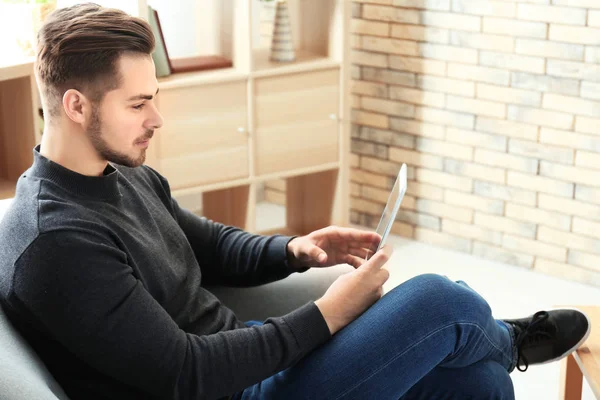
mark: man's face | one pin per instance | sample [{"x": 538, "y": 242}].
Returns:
[{"x": 121, "y": 127}]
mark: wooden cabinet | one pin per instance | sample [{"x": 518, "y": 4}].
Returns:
[
  {"x": 297, "y": 120},
  {"x": 19, "y": 124},
  {"x": 204, "y": 138}
]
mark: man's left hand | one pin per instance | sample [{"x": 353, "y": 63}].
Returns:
[{"x": 331, "y": 246}]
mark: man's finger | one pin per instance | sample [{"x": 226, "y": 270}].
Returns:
[
  {"x": 379, "y": 258},
  {"x": 360, "y": 252},
  {"x": 383, "y": 274},
  {"x": 351, "y": 235},
  {"x": 354, "y": 261},
  {"x": 316, "y": 253}
]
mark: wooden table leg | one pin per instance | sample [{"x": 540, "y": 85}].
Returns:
[{"x": 571, "y": 379}]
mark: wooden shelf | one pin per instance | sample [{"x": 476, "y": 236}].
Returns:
[
  {"x": 13, "y": 69},
  {"x": 201, "y": 77},
  {"x": 7, "y": 188},
  {"x": 305, "y": 61},
  {"x": 255, "y": 179}
]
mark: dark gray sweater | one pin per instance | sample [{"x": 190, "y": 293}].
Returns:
[{"x": 103, "y": 276}]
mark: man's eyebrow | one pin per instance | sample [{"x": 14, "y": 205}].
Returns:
[{"x": 143, "y": 96}]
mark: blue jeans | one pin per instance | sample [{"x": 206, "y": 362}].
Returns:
[{"x": 428, "y": 338}]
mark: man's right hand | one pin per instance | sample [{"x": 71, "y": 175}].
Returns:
[{"x": 353, "y": 293}]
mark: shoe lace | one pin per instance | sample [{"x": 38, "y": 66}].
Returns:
[{"x": 535, "y": 330}]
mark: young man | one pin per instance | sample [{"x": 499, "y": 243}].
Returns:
[{"x": 101, "y": 270}]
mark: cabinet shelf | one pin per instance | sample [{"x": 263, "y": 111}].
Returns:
[
  {"x": 305, "y": 61},
  {"x": 203, "y": 77},
  {"x": 13, "y": 69},
  {"x": 256, "y": 179}
]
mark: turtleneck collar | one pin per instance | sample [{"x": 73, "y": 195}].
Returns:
[{"x": 104, "y": 187}]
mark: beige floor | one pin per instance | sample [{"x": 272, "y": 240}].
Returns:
[{"x": 511, "y": 291}]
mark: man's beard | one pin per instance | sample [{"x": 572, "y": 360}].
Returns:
[{"x": 105, "y": 151}]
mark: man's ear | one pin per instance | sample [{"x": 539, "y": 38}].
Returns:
[{"x": 76, "y": 106}]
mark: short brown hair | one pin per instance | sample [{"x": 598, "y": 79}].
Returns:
[{"x": 79, "y": 46}]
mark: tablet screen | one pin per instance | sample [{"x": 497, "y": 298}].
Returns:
[{"x": 390, "y": 211}]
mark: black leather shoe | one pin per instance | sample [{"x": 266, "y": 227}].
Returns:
[{"x": 548, "y": 336}]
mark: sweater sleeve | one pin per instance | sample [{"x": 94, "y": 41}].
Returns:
[
  {"x": 228, "y": 255},
  {"x": 77, "y": 287},
  {"x": 232, "y": 257}
]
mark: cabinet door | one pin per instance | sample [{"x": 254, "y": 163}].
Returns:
[
  {"x": 204, "y": 138},
  {"x": 296, "y": 121}
]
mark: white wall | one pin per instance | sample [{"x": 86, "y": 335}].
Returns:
[{"x": 181, "y": 29}]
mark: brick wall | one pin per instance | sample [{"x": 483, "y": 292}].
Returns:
[{"x": 495, "y": 108}]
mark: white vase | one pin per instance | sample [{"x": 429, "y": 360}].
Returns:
[{"x": 282, "y": 45}]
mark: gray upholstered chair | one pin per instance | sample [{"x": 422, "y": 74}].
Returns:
[{"x": 23, "y": 376}]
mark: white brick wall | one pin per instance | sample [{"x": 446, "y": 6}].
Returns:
[
  {"x": 451, "y": 21},
  {"x": 512, "y": 27},
  {"x": 445, "y": 85},
  {"x": 549, "y": 13},
  {"x": 448, "y": 53},
  {"x": 415, "y": 96},
  {"x": 573, "y": 105},
  {"x": 507, "y": 161},
  {"x": 495, "y": 107},
  {"x": 592, "y": 54},
  {"x": 587, "y": 159},
  {"x": 482, "y": 41},
  {"x": 476, "y": 139},
  {"x": 544, "y": 48},
  {"x": 541, "y": 151},
  {"x": 417, "y": 128},
  {"x": 418, "y": 65},
  {"x": 512, "y": 62},
  {"x": 478, "y": 7},
  {"x": 536, "y": 116},
  {"x": 575, "y": 34},
  {"x": 538, "y": 216},
  {"x": 444, "y": 117},
  {"x": 587, "y": 125},
  {"x": 509, "y": 95},
  {"x": 503, "y": 192},
  {"x": 422, "y": 33},
  {"x": 590, "y": 90},
  {"x": 507, "y": 128},
  {"x": 506, "y": 225},
  {"x": 427, "y": 4},
  {"x": 571, "y": 69},
  {"x": 544, "y": 83},
  {"x": 475, "y": 202},
  {"x": 476, "y": 171},
  {"x": 478, "y": 74}
]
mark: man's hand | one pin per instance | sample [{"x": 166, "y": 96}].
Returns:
[
  {"x": 331, "y": 246},
  {"x": 354, "y": 292}
]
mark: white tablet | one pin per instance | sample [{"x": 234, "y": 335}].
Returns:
[{"x": 389, "y": 212}]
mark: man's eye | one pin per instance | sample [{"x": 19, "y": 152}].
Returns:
[{"x": 139, "y": 106}]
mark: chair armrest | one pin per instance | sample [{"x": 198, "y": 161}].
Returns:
[
  {"x": 280, "y": 297},
  {"x": 23, "y": 375}
]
